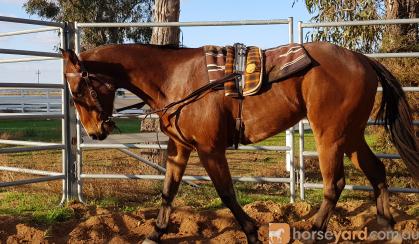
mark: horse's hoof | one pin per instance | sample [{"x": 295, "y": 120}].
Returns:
[
  {"x": 148, "y": 241},
  {"x": 385, "y": 223},
  {"x": 253, "y": 239}
]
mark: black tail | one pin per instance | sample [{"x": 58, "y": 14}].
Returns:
[{"x": 395, "y": 113}]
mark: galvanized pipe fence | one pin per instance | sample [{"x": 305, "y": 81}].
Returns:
[
  {"x": 72, "y": 145},
  {"x": 65, "y": 144},
  {"x": 302, "y": 152}
]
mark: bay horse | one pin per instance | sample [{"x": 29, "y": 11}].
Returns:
[{"x": 336, "y": 94}]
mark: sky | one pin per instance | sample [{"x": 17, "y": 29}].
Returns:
[{"x": 191, "y": 10}]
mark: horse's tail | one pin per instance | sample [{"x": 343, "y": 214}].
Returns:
[{"x": 395, "y": 113}]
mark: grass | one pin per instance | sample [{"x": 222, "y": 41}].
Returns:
[
  {"x": 315, "y": 196},
  {"x": 31, "y": 130},
  {"x": 41, "y": 208},
  {"x": 49, "y": 130}
]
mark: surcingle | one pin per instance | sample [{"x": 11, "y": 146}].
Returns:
[
  {"x": 220, "y": 62},
  {"x": 277, "y": 63}
]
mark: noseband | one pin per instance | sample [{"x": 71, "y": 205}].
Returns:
[{"x": 86, "y": 77}]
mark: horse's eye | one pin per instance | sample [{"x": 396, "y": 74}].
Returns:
[{"x": 77, "y": 95}]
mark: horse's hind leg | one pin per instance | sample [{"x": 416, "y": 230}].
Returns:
[
  {"x": 363, "y": 158},
  {"x": 177, "y": 159},
  {"x": 331, "y": 167},
  {"x": 217, "y": 168}
]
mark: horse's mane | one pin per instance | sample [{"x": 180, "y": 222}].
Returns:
[{"x": 107, "y": 46}]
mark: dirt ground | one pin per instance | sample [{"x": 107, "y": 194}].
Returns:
[
  {"x": 97, "y": 225},
  {"x": 94, "y": 224}
]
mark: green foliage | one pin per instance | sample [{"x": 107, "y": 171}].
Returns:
[
  {"x": 98, "y": 11},
  {"x": 360, "y": 38}
]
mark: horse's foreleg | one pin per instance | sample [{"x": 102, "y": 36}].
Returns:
[
  {"x": 177, "y": 159},
  {"x": 217, "y": 168},
  {"x": 331, "y": 167}
]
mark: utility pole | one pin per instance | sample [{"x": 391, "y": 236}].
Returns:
[{"x": 38, "y": 73}]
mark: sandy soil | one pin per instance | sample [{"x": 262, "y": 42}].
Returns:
[{"x": 96, "y": 225}]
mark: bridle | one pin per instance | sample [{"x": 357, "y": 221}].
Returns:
[{"x": 86, "y": 77}]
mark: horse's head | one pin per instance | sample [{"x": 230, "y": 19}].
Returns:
[{"x": 93, "y": 95}]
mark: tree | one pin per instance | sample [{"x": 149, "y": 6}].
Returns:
[
  {"x": 361, "y": 38},
  {"x": 365, "y": 38},
  {"x": 401, "y": 37},
  {"x": 166, "y": 11},
  {"x": 98, "y": 11}
]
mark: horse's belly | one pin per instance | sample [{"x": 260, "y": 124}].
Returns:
[{"x": 273, "y": 111}]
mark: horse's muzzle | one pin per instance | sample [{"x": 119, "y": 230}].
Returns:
[{"x": 107, "y": 126}]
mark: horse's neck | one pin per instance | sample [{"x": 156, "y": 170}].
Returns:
[{"x": 159, "y": 76}]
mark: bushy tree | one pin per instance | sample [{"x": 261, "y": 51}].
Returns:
[
  {"x": 365, "y": 38},
  {"x": 98, "y": 11}
]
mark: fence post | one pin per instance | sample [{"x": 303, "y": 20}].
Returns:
[
  {"x": 70, "y": 191},
  {"x": 289, "y": 141},
  {"x": 301, "y": 131},
  {"x": 289, "y": 134}
]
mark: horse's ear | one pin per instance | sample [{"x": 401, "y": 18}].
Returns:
[{"x": 70, "y": 55}]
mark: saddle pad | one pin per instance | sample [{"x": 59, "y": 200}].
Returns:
[
  {"x": 277, "y": 63},
  {"x": 284, "y": 61},
  {"x": 220, "y": 62}
]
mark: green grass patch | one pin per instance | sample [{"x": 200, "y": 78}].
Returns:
[
  {"x": 31, "y": 130},
  {"x": 206, "y": 198},
  {"x": 315, "y": 196},
  {"x": 42, "y": 208},
  {"x": 279, "y": 139},
  {"x": 50, "y": 130},
  {"x": 128, "y": 125}
]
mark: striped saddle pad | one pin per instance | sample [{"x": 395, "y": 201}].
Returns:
[{"x": 277, "y": 63}]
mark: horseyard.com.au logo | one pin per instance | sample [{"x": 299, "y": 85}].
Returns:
[{"x": 281, "y": 233}]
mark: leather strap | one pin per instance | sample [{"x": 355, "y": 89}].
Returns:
[
  {"x": 86, "y": 76},
  {"x": 137, "y": 106},
  {"x": 237, "y": 135},
  {"x": 239, "y": 66}
]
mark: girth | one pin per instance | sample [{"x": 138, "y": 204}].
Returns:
[{"x": 239, "y": 68}]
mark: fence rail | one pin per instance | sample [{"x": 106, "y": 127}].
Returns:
[
  {"x": 31, "y": 21},
  {"x": 31, "y": 31},
  {"x": 32, "y": 85},
  {"x": 30, "y": 53},
  {"x": 186, "y": 24}
]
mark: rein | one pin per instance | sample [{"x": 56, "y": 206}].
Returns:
[{"x": 215, "y": 85}]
